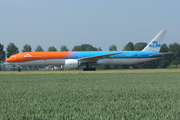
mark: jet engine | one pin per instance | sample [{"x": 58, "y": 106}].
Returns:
[{"x": 72, "y": 63}]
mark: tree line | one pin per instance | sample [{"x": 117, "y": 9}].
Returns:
[{"x": 173, "y": 59}]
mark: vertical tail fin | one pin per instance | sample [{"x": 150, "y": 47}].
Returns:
[{"x": 156, "y": 42}]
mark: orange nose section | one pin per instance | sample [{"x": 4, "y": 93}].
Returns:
[{"x": 9, "y": 60}]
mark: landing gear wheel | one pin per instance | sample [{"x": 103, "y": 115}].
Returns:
[{"x": 89, "y": 69}]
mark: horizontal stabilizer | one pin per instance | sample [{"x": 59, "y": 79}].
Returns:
[{"x": 155, "y": 55}]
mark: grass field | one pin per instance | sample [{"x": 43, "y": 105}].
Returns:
[{"x": 125, "y": 94}]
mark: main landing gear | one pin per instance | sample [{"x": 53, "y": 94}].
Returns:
[{"x": 89, "y": 69}]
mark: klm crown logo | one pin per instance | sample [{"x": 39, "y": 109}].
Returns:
[
  {"x": 155, "y": 44},
  {"x": 27, "y": 55}
]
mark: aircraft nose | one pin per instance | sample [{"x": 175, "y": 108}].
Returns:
[{"x": 8, "y": 60}]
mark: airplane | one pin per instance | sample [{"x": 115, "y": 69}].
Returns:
[{"x": 74, "y": 59}]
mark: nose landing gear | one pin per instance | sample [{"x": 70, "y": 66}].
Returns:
[{"x": 19, "y": 69}]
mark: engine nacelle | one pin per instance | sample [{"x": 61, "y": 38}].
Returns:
[{"x": 72, "y": 63}]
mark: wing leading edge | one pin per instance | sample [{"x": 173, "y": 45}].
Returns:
[{"x": 96, "y": 58}]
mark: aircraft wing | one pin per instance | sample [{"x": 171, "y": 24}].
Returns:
[
  {"x": 96, "y": 58},
  {"x": 161, "y": 54}
]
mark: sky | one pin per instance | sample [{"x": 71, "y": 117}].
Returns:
[{"x": 100, "y": 23}]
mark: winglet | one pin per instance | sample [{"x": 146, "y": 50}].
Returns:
[{"x": 156, "y": 42}]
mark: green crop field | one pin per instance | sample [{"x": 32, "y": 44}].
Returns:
[{"x": 126, "y": 96}]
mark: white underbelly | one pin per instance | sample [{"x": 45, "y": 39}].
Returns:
[
  {"x": 41, "y": 62},
  {"x": 124, "y": 61}
]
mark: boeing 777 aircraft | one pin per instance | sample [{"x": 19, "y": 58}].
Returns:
[{"x": 73, "y": 59}]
